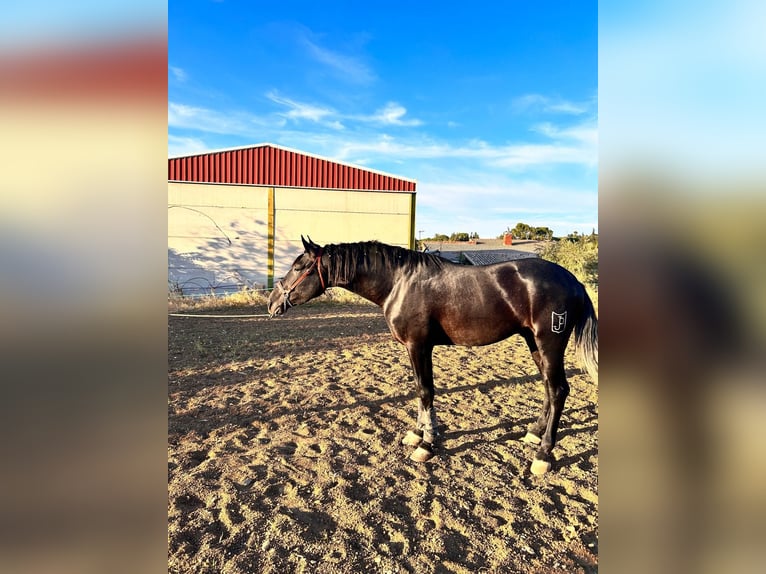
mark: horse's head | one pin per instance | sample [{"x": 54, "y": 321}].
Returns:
[{"x": 302, "y": 283}]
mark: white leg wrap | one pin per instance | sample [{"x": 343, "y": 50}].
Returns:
[
  {"x": 412, "y": 439},
  {"x": 421, "y": 454},
  {"x": 540, "y": 467},
  {"x": 530, "y": 438}
]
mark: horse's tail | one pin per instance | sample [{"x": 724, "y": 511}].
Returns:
[{"x": 586, "y": 339}]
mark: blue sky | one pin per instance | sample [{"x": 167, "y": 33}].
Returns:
[{"x": 491, "y": 108}]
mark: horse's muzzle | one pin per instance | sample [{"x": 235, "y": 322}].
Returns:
[
  {"x": 275, "y": 307},
  {"x": 275, "y": 312},
  {"x": 279, "y": 301}
]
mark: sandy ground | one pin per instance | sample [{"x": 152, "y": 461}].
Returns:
[{"x": 284, "y": 453}]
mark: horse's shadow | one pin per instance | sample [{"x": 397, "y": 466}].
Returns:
[
  {"x": 375, "y": 404},
  {"x": 515, "y": 431},
  {"x": 581, "y": 458}
]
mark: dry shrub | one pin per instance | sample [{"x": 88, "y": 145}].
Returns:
[
  {"x": 244, "y": 299},
  {"x": 580, "y": 256},
  {"x": 341, "y": 296}
]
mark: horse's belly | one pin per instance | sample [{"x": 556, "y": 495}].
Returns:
[{"x": 476, "y": 330}]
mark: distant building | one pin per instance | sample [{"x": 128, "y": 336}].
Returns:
[
  {"x": 236, "y": 216},
  {"x": 484, "y": 251}
]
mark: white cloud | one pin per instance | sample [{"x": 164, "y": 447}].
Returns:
[
  {"x": 178, "y": 145},
  {"x": 393, "y": 114},
  {"x": 564, "y": 107},
  {"x": 576, "y": 145},
  {"x": 489, "y": 202},
  {"x": 181, "y": 116},
  {"x": 301, "y": 111},
  {"x": 179, "y": 74},
  {"x": 522, "y": 103},
  {"x": 586, "y": 132},
  {"x": 178, "y": 113},
  {"x": 540, "y": 103},
  {"x": 500, "y": 192},
  {"x": 347, "y": 67},
  {"x": 526, "y": 155}
]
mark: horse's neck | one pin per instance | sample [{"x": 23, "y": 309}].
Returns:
[{"x": 372, "y": 286}]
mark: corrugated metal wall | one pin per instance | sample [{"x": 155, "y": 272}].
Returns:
[{"x": 270, "y": 165}]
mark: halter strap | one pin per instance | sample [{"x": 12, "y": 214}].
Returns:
[
  {"x": 319, "y": 268},
  {"x": 318, "y": 263}
]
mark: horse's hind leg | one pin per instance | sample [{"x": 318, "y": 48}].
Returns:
[
  {"x": 557, "y": 390},
  {"x": 536, "y": 429}
]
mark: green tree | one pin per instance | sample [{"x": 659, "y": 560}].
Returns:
[
  {"x": 522, "y": 231},
  {"x": 526, "y": 231},
  {"x": 543, "y": 233}
]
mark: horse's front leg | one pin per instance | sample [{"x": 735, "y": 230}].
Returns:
[
  {"x": 426, "y": 431},
  {"x": 414, "y": 438}
]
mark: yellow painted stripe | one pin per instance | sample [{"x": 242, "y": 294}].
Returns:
[
  {"x": 270, "y": 242},
  {"x": 412, "y": 220}
]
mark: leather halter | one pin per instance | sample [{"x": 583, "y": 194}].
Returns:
[{"x": 286, "y": 291}]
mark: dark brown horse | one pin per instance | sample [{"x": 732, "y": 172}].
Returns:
[{"x": 430, "y": 301}]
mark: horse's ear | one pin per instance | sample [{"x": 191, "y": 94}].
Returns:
[{"x": 310, "y": 246}]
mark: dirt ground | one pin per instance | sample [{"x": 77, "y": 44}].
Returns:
[{"x": 284, "y": 453}]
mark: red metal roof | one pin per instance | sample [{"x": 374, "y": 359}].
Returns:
[
  {"x": 105, "y": 71},
  {"x": 269, "y": 164}
]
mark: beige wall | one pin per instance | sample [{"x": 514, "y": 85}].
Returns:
[
  {"x": 218, "y": 234},
  {"x": 337, "y": 217}
]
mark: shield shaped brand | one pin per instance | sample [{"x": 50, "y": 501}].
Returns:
[{"x": 558, "y": 321}]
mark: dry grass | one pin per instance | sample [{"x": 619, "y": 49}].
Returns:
[
  {"x": 245, "y": 299},
  {"x": 253, "y": 301}
]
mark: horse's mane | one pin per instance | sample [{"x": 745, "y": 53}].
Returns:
[{"x": 349, "y": 258}]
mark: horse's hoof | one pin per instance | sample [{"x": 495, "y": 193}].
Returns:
[
  {"x": 540, "y": 467},
  {"x": 530, "y": 438},
  {"x": 412, "y": 439},
  {"x": 422, "y": 454}
]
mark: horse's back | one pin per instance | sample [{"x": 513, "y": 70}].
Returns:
[
  {"x": 479, "y": 305},
  {"x": 534, "y": 294},
  {"x": 546, "y": 276}
]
